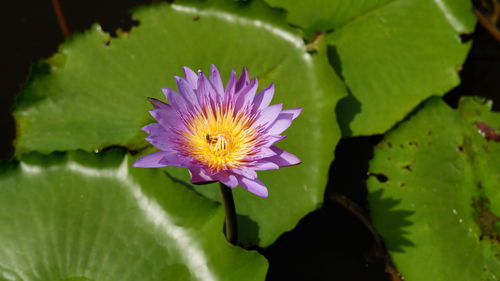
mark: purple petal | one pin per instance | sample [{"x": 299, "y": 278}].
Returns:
[
  {"x": 280, "y": 124},
  {"x": 246, "y": 172},
  {"x": 158, "y": 136},
  {"x": 263, "y": 165},
  {"x": 205, "y": 92},
  {"x": 231, "y": 85},
  {"x": 283, "y": 121},
  {"x": 268, "y": 115},
  {"x": 263, "y": 98},
  {"x": 216, "y": 80},
  {"x": 273, "y": 139},
  {"x": 150, "y": 160},
  {"x": 172, "y": 158},
  {"x": 199, "y": 175},
  {"x": 157, "y": 103},
  {"x": 167, "y": 117},
  {"x": 191, "y": 77},
  {"x": 246, "y": 95},
  {"x": 294, "y": 111},
  {"x": 243, "y": 80},
  {"x": 264, "y": 152},
  {"x": 227, "y": 179},
  {"x": 255, "y": 186},
  {"x": 174, "y": 99},
  {"x": 186, "y": 91},
  {"x": 283, "y": 158}
]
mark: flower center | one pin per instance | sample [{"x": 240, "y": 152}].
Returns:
[
  {"x": 219, "y": 143},
  {"x": 220, "y": 138}
]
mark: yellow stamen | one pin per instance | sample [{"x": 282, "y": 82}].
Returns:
[{"x": 221, "y": 139}]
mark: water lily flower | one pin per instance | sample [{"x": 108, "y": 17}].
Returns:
[{"x": 219, "y": 134}]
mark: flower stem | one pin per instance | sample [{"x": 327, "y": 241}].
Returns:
[
  {"x": 61, "y": 20},
  {"x": 230, "y": 211}
]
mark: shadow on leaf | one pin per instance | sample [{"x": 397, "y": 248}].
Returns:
[
  {"x": 248, "y": 231},
  {"x": 390, "y": 222},
  {"x": 349, "y": 106}
]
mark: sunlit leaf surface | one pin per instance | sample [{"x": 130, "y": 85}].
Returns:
[
  {"x": 435, "y": 192},
  {"x": 391, "y": 54},
  {"x": 92, "y": 94},
  {"x": 83, "y": 217}
]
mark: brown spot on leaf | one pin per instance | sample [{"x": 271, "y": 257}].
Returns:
[
  {"x": 196, "y": 18},
  {"x": 407, "y": 167},
  {"x": 413, "y": 143},
  {"x": 486, "y": 220},
  {"x": 486, "y": 147},
  {"x": 381, "y": 144},
  {"x": 487, "y": 131},
  {"x": 460, "y": 148},
  {"x": 479, "y": 185}
]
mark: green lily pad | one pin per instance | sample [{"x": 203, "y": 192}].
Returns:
[
  {"x": 324, "y": 15},
  {"x": 435, "y": 192},
  {"x": 79, "y": 216},
  {"x": 391, "y": 54},
  {"x": 92, "y": 95}
]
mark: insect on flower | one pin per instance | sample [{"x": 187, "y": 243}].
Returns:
[{"x": 219, "y": 134}]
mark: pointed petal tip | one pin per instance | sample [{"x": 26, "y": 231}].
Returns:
[
  {"x": 294, "y": 112},
  {"x": 168, "y": 91},
  {"x": 264, "y": 193},
  {"x": 187, "y": 69},
  {"x": 146, "y": 128},
  {"x": 150, "y": 160},
  {"x": 190, "y": 76},
  {"x": 157, "y": 103},
  {"x": 298, "y": 112},
  {"x": 284, "y": 158},
  {"x": 202, "y": 75},
  {"x": 255, "y": 186}
]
